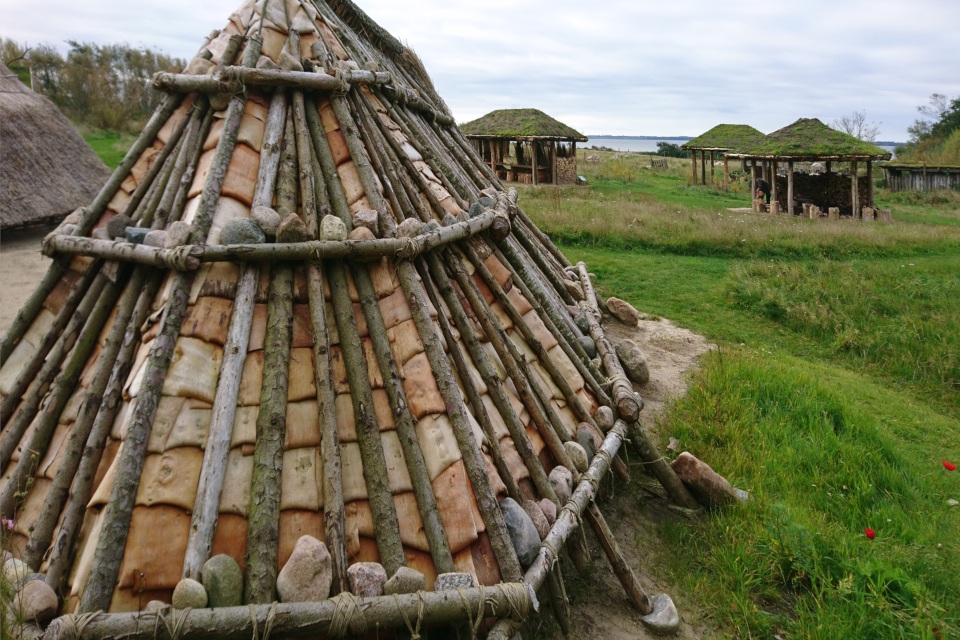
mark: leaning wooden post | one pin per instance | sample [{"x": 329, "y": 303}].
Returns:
[
  {"x": 31, "y": 307},
  {"x": 625, "y": 574},
  {"x": 621, "y": 387},
  {"x": 790, "y": 187},
  {"x": 119, "y": 510}
]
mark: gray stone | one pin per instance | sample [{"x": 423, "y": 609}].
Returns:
[
  {"x": 449, "y": 220},
  {"x": 586, "y": 440},
  {"x": 561, "y": 479},
  {"x": 15, "y": 570},
  {"x": 589, "y": 346},
  {"x": 604, "y": 418},
  {"x": 117, "y": 225},
  {"x": 582, "y": 323},
  {"x": 267, "y": 219},
  {"x": 4, "y": 556},
  {"x": 242, "y": 231},
  {"x": 577, "y": 455},
  {"x": 488, "y": 202},
  {"x": 537, "y": 516},
  {"x": 292, "y": 229},
  {"x": 68, "y": 229},
  {"x": 463, "y": 216},
  {"x": 623, "y": 311},
  {"x": 74, "y": 217},
  {"x": 549, "y": 510},
  {"x": 189, "y": 594},
  {"x": 155, "y": 606},
  {"x": 156, "y": 238},
  {"x": 308, "y": 574},
  {"x": 367, "y": 579},
  {"x": 405, "y": 580},
  {"x": 289, "y": 63},
  {"x": 371, "y": 65},
  {"x": 266, "y": 63},
  {"x": 332, "y": 229},
  {"x": 664, "y": 620},
  {"x": 27, "y": 631},
  {"x": 633, "y": 361},
  {"x": 33, "y": 577},
  {"x": 36, "y": 602},
  {"x": 177, "y": 234},
  {"x": 101, "y": 234},
  {"x": 409, "y": 228},
  {"x": 223, "y": 580},
  {"x": 743, "y": 495},
  {"x": 707, "y": 486},
  {"x": 361, "y": 233},
  {"x": 367, "y": 218},
  {"x": 523, "y": 533},
  {"x": 136, "y": 235},
  {"x": 433, "y": 225},
  {"x": 451, "y": 581},
  {"x": 574, "y": 289},
  {"x": 476, "y": 209},
  {"x": 490, "y": 192}
]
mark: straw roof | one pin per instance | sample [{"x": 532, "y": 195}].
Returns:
[
  {"x": 810, "y": 138},
  {"x": 46, "y": 169},
  {"x": 380, "y": 393},
  {"x": 726, "y": 137},
  {"x": 520, "y": 123}
]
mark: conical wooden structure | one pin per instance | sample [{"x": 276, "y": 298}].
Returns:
[{"x": 399, "y": 360}]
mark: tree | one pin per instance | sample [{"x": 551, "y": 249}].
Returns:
[{"x": 856, "y": 125}]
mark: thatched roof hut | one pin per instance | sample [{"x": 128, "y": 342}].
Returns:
[
  {"x": 544, "y": 149},
  {"x": 46, "y": 169},
  {"x": 808, "y": 140},
  {"x": 723, "y": 138},
  {"x": 302, "y": 340}
]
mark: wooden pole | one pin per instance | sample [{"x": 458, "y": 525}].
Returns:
[
  {"x": 790, "y": 187},
  {"x": 753, "y": 185},
  {"x": 534, "y": 163},
  {"x": 232, "y": 79},
  {"x": 726, "y": 172},
  {"x": 203, "y": 521},
  {"x": 31, "y": 307},
  {"x": 773, "y": 182},
  {"x": 870, "y": 202},
  {"x": 703, "y": 168},
  {"x": 553, "y": 155},
  {"x": 854, "y": 190},
  {"x": 712, "y": 160},
  {"x": 625, "y": 574},
  {"x": 693, "y": 164}
]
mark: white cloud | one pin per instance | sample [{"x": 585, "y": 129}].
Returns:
[{"x": 627, "y": 67}]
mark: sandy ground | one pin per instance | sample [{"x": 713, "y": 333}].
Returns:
[
  {"x": 21, "y": 267},
  {"x": 599, "y": 606}
]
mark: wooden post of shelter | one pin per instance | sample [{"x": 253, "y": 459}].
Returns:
[
  {"x": 753, "y": 184},
  {"x": 829, "y": 167},
  {"x": 854, "y": 190},
  {"x": 773, "y": 182},
  {"x": 534, "y": 165},
  {"x": 712, "y": 160},
  {"x": 693, "y": 164},
  {"x": 870, "y": 183},
  {"x": 790, "y": 187},
  {"x": 726, "y": 172},
  {"x": 703, "y": 168},
  {"x": 553, "y": 151}
]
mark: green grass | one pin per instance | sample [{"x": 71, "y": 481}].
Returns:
[
  {"x": 110, "y": 146},
  {"x": 832, "y": 399}
]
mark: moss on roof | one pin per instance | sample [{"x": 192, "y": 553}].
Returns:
[
  {"x": 512, "y": 123},
  {"x": 810, "y": 137},
  {"x": 733, "y": 137},
  {"x": 930, "y": 166}
]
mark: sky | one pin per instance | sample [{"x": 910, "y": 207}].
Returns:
[{"x": 620, "y": 67}]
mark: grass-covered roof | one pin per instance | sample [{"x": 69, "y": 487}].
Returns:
[
  {"x": 810, "y": 137},
  {"x": 731, "y": 137},
  {"x": 520, "y": 123}
]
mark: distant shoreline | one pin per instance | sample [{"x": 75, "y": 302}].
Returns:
[{"x": 642, "y": 137}]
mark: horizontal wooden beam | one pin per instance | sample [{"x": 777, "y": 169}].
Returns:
[
  {"x": 233, "y": 79},
  {"x": 749, "y": 156},
  {"x": 189, "y": 257}
]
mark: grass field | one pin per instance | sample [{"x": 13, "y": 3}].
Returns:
[
  {"x": 833, "y": 396},
  {"x": 111, "y": 146}
]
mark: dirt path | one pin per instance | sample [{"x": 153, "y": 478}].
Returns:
[
  {"x": 21, "y": 267},
  {"x": 600, "y": 609}
]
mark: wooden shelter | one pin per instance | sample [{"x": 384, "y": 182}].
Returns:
[
  {"x": 46, "y": 168},
  {"x": 723, "y": 138},
  {"x": 303, "y": 305},
  {"x": 916, "y": 176},
  {"x": 526, "y": 145},
  {"x": 806, "y": 141}
]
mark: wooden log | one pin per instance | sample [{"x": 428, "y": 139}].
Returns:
[
  {"x": 404, "y": 422},
  {"x": 73, "y": 448},
  {"x": 145, "y": 214},
  {"x": 726, "y": 172},
  {"x": 24, "y": 414},
  {"x": 712, "y": 160},
  {"x": 334, "y": 617},
  {"x": 753, "y": 185},
  {"x": 263, "y": 533},
  {"x": 54, "y": 333},
  {"x": 534, "y": 162},
  {"x": 334, "y": 521},
  {"x": 625, "y": 574},
  {"x": 232, "y": 79},
  {"x": 171, "y": 204},
  {"x": 111, "y": 543},
  {"x": 553, "y": 275},
  {"x": 180, "y": 259},
  {"x": 703, "y": 168},
  {"x": 205, "y": 514},
  {"x": 870, "y": 202},
  {"x": 773, "y": 184},
  {"x": 790, "y": 187},
  {"x": 64, "y": 544},
  {"x": 622, "y": 391},
  {"x": 568, "y": 519},
  {"x": 558, "y": 601},
  {"x": 60, "y": 391}
]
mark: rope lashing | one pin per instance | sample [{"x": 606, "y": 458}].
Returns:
[
  {"x": 267, "y": 624},
  {"x": 343, "y": 86},
  {"x": 474, "y": 625},
  {"x": 347, "y": 616},
  {"x": 180, "y": 257},
  {"x": 178, "y": 622},
  {"x": 80, "y": 622},
  {"x": 414, "y": 632}
]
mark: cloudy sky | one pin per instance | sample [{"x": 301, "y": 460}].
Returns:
[{"x": 627, "y": 67}]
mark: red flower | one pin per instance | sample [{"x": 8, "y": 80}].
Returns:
[
  {"x": 949, "y": 467},
  {"x": 870, "y": 533}
]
